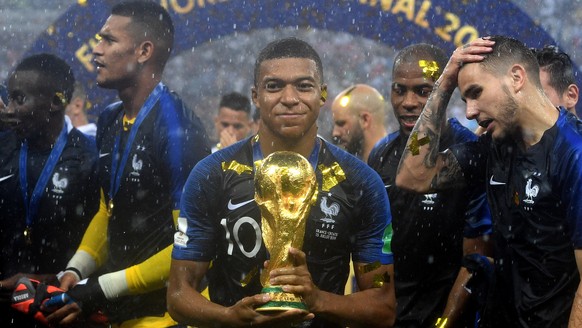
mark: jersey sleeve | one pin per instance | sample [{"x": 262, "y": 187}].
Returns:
[
  {"x": 472, "y": 158},
  {"x": 196, "y": 233},
  {"x": 373, "y": 242},
  {"x": 185, "y": 144},
  {"x": 569, "y": 177}
]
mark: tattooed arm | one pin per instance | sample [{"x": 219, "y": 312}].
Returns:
[{"x": 422, "y": 167}]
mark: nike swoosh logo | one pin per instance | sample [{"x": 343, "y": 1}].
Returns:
[
  {"x": 495, "y": 183},
  {"x": 6, "y": 177},
  {"x": 103, "y": 155},
  {"x": 387, "y": 186},
  {"x": 233, "y": 207}
]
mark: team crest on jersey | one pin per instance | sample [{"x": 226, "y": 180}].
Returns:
[
  {"x": 136, "y": 165},
  {"x": 60, "y": 183},
  {"x": 428, "y": 201},
  {"x": 531, "y": 192},
  {"x": 327, "y": 222}
]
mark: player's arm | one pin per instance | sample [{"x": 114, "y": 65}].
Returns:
[
  {"x": 422, "y": 167},
  {"x": 576, "y": 313},
  {"x": 373, "y": 306},
  {"x": 460, "y": 294},
  {"x": 92, "y": 251}
]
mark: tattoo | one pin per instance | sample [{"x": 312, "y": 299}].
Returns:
[{"x": 450, "y": 175}]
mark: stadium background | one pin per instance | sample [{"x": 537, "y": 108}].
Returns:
[{"x": 223, "y": 64}]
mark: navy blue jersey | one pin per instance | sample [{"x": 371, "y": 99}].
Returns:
[
  {"x": 166, "y": 147},
  {"x": 428, "y": 231},
  {"x": 220, "y": 222},
  {"x": 68, "y": 203},
  {"x": 537, "y": 214}
]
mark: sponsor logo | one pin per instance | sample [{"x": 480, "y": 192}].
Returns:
[
  {"x": 233, "y": 207},
  {"x": 21, "y": 297},
  {"x": 495, "y": 183},
  {"x": 6, "y": 177}
]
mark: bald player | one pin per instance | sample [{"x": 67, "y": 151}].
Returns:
[{"x": 358, "y": 119}]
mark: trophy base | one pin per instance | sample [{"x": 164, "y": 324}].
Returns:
[{"x": 281, "y": 301}]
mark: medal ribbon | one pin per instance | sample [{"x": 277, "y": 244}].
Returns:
[
  {"x": 31, "y": 206},
  {"x": 117, "y": 163}
]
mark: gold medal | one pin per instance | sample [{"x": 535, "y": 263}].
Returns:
[
  {"x": 110, "y": 207},
  {"x": 27, "y": 235}
]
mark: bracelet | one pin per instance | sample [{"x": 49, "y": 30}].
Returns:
[{"x": 75, "y": 271}]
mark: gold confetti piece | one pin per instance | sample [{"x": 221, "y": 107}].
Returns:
[
  {"x": 516, "y": 198},
  {"x": 430, "y": 69},
  {"x": 415, "y": 143},
  {"x": 369, "y": 267},
  {"x": 237, "y": 167},
  {"x": 61, "y": 97},
  {"x": 380, "y": 280},
  {"x": 324, "y": 94},
  {"x": 441, "y": 322},
  {"x": 247, "y": 279},
  {"x": 331, "y": 175}
]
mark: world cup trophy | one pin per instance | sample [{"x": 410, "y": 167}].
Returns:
[{"x": 285, "y": 190}]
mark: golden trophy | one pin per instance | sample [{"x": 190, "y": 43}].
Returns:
[{"x": 285, "y": 189}]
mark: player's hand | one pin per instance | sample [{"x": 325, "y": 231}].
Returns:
[
  {"x": 86, "y": 298},
  {"x": 243, "y": 314},
  {"x": 227, "y": 138},
  {"x": 68, "y": 280},
  {"x": 474, "y": 51},
  {"x": 297, "y": 279}
]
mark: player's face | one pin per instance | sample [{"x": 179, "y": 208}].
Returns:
[
  {"x": 236, "y": 122},
  {"x": 488, "y": 99},
  {"x": 288, "y": 95},
  {"x": 29, "y": 104},
  {"x": 347, "y": 131},
  {"x": 410, "y": 91},
  {"x": 556, "y": 98},
  {"x": 116, "y": 54}
]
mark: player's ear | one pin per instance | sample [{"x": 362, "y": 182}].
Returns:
[
  {"x": 518, "y": 76},
  {"x": 572, "y": 94},
  {"x": 145, "y": 51}
]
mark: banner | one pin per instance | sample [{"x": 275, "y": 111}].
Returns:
[{"x": 396, "y": 23}]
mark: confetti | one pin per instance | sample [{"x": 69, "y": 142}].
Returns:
[
  {"x": 430, "y": 69},
  {"x": 415, "y": 143}
]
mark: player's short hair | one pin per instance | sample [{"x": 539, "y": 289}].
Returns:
[
  {"x": 421, "y": 51},
  {"x": 288, "y": 48},
  {"x": 56, "y": 74},
  {"x": 150, "y": 21},
  {"x": 507, "y": 52},
  {"x": 558, "y": 65},
  {"x": 236, "y": 101}
]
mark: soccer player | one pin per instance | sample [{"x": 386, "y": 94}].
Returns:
[
  {"x": 48, "y": 185},
  {"x": 147, "y": 146},
  {"x": 359, "y": 113},
  {"x": 557, "y": 77},
  {"x": 233, "y": 120},
  {"x": 529, "y": 161},
  {"x": 432, "y": 231},
  {"x": 220, "y": 221}
]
